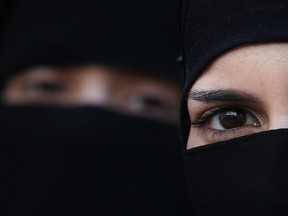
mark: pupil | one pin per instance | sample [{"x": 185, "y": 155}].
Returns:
[{"x": 232, "y": 119}]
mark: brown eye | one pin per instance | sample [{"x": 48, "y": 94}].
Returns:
[{"x": 230, "y": 119}]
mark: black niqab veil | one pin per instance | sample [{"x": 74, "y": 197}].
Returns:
[{"x": 88, "y": 161}]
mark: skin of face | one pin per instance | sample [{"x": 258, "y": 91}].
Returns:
[
  {"x": 242, "y": 92},
  {"x": 95, "y": 85}
]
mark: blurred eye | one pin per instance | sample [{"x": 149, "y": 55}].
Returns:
[
  {"x": 44, "y": 86},
  {"x": 230, "y": 119},
  {"x": 146, "y": 102},
  {"x": 40, "y": 85},
  {"x": 155, "y": 107}
]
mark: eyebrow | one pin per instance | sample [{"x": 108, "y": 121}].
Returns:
[{"x": 222, "y": 95}]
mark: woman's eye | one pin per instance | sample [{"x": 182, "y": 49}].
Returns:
[
  {"x": 144, "y": 102},
  {"x": 44, "y": 87},
  {"x": 231, "y": 119},
  {"x": 153, "y": 107},
  {"x": 223, "y": 123}
]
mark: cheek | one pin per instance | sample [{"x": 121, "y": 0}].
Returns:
[
  {"x": 195, "y": 139},
  {"x": 13, "y": 91}
]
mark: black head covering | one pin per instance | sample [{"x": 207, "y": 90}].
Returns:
[
  {"x": 137, "y": 35},
  {"x": 210, "y": 27}
]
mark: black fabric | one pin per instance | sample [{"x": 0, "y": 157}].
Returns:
[
  {"x": 134, "y": 35},
  {"x": 211, "y": 28},
  {"x": 240, "y": 177},
  {"x": 88, "y": 161}
]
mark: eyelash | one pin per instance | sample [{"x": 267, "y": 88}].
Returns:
[
  {"x": 204, "y": 117},
  {"x": 221, "y": 135}
]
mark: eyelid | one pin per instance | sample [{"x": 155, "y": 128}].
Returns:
[
  {"x": 204, "y": 116},
  {"x": 211, "y": 135}
]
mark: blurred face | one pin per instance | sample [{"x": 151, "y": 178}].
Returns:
[
  {"x": 100, "y": 86},
  {"x": 243, "y": 92}
]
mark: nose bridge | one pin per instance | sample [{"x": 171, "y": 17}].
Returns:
[
  {"x": 276, "y": 102},
  {"x": 279, "y": 121},
  {"x": 94, "y": 89}
]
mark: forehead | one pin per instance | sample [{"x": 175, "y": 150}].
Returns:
[{"x": 246, "y": 65}]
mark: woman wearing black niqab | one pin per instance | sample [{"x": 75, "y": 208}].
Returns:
[
  {"x": 234, "y": 107},
  {"x": 86, "y": 160}
]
